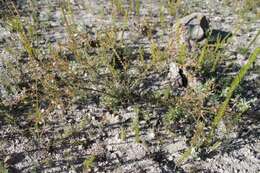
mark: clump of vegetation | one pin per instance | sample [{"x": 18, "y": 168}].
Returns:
[{"x": 88, "y": 164}]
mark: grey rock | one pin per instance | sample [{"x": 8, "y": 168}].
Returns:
[
  {"x": 187, "y": 32},
  {"x": 177, "y": 76},
  {"x": 173, "y": 71},
  {"x": 196, "y": 32},
  {"x": 193, "y": 19},
  {"x": 197, "y": 25}
]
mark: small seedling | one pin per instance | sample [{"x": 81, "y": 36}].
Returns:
[
  {"x": 122, "y": 133},
  {"x": 173, "y": 114},
  {"x": 137, "y": 130},
  {"x": 88, "y": 163}
]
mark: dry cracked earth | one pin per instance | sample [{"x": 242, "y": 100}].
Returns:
[{"x": 90, "y": 129}]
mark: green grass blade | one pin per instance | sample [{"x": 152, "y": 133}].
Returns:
[{"x": 233, "y": 86}]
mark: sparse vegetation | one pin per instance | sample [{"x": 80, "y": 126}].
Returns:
[
  {"x": 2, "y": 168},
  {"x": 40, "y": 80}
]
